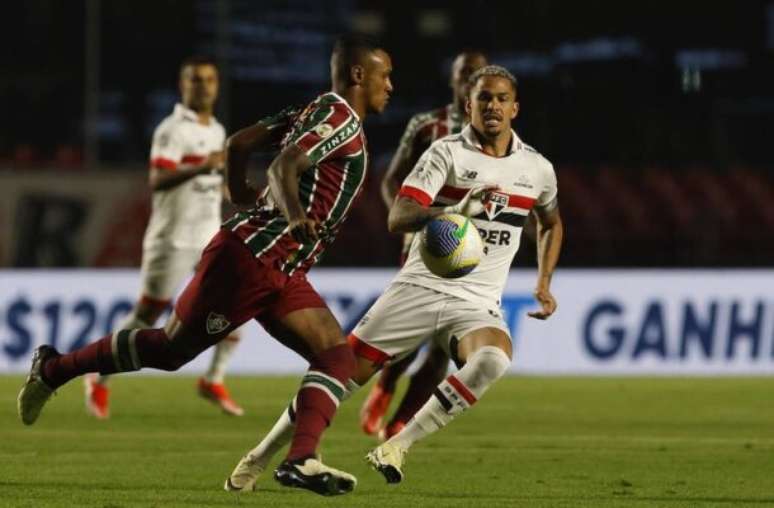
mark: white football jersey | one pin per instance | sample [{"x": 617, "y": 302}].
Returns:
[
  {"x": 444, "y": 174},
  {"x": 188, "y": 215}
]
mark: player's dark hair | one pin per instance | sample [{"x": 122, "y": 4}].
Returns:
[
  {"x": 195, "y": 60},
  {"x": 349, "y": 50},
  {"x": 493, "y": 70}
]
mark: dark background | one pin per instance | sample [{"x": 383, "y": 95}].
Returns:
[{"x": 656, "y": 115}]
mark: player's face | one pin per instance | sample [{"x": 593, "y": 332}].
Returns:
[
  {"x": 464, "y": 65},
  {"x": 376, "y": 80},
  {"x": 492, "y": 105},
  {"x": 199, "y": 86}
]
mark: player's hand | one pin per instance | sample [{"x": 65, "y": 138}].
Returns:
[
  {"x": 216, "y": 161},
  {"x": 474, "y": 202},
  {"x": 547, "y": 304},
  {"x": 304, "y": 230}
]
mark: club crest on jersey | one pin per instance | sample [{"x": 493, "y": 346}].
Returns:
[
  {"x": 216, "y": 323},
  {"x": 497, "y": 202},
  {"x": 324, "y": 130}
]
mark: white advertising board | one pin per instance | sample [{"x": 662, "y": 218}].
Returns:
[{"x": 713, "y": 322}]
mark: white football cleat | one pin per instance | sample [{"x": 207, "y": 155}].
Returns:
[
  {"x": 388, "y": 459},
  {"x": 35, "y": 393},
  {"x": 245, "y": 474}
]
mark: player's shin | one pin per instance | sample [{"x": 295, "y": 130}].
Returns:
[
  {"x": 322, "y": 389},
  {"x": 223, "y": 351},
  {"x": 455, "y": 394}
]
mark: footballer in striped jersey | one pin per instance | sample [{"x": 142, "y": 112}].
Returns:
[{"x": 255, "y": 268}]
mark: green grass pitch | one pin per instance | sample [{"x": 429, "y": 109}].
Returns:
[{"x": 543, "y": 442}]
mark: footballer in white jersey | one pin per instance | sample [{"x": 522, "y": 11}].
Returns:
[
  {"x": 488, "y": 174},
  {"x": 186, "y": 164}
]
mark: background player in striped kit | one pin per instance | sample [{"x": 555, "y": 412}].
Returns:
[
  {"x": 422, "y": 130},
  {"x": 186, "y": 166},
  {"x": 255, "y": 266}
]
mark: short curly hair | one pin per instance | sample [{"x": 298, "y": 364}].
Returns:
[{"x": 493, "y": 70}]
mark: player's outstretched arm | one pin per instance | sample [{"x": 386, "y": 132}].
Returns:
[
  {"x": 163, "y": 179},
  {"x": 407, "y": 215},
  {"x": 550, "y": 232},
  {"x": 284, "y": 173},
  {"x": 239, "y": 147}
]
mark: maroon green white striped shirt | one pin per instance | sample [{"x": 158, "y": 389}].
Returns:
[{"x": 330, "y": 133}]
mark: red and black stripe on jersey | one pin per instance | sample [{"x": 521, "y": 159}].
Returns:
[
  {"x": 330, "y": 133},
  {"x": 450, "y": 195}
]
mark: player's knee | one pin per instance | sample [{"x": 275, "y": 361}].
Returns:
[{"x": 489, "y": 364}]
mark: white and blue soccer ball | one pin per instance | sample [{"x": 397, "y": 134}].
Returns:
[{"x": 450, "y": 246}]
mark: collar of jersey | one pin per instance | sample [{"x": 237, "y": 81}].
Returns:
[
  {"x": 470, "y": 137},
  {"x": 340, "y": 98},
  {"x": 189, "y": 114}
]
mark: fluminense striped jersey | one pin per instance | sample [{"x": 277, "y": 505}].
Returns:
[
  {"x": 330, "y": 133},
  {"x": 425, "y": 128},
  {"x": 445, "y": 173}
]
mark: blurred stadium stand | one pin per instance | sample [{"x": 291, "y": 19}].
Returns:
[{"x": 656, "y": 115}]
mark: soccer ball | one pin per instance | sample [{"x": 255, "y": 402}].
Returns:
[{"x": 450, "y": 246}]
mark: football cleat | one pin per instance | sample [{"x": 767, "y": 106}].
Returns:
[
  {"x": 391, "y": 430},
  {"x": 312, "y": 474},
  {"x": 35, "y": 392},
  {"x": 97, "y": 397},
  {"x": 388, "y": 459},
  {"x": 245, "y": 474},
  {"x": 218, "y": 394},
  {"x": 374, "y": 408}
]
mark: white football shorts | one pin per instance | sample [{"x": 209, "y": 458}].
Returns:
[
  {"x": 164, "y": 269},
  {"x": 407, "y": 315}
]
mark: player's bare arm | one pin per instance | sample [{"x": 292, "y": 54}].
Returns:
[
  {"x": 284, "y": 173},
  {"x": 163, "y": 179},
  {"x": 407, "y": 216},
  {"x": 400, "y": 166},
  {"x": 239, "y": 147},
  {"x": 550, "y": 232}
]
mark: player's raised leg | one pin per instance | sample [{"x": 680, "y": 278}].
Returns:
[
  {"x": 486, "y": 354},
  {"x": 144, "y": 315},
  {"x": 224, "y": 292}
]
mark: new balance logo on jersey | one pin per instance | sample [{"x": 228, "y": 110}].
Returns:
[
  {"x": 216, "y": 323},
  {"x": 497, "y": 202},
  {"x": 523, "y": 181},
  {"x": 470, "y": 175}
]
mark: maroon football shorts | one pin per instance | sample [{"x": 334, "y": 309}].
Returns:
[{"x": 231, "y": 287}]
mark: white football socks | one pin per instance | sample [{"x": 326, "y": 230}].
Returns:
[
  {"x": 455, "y": 394},
  {"x": 223, "y": 351}
]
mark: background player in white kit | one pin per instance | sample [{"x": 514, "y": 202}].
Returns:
[
  {"x": 186, "y": 165},
  {"x": 485, "y": 173}
]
